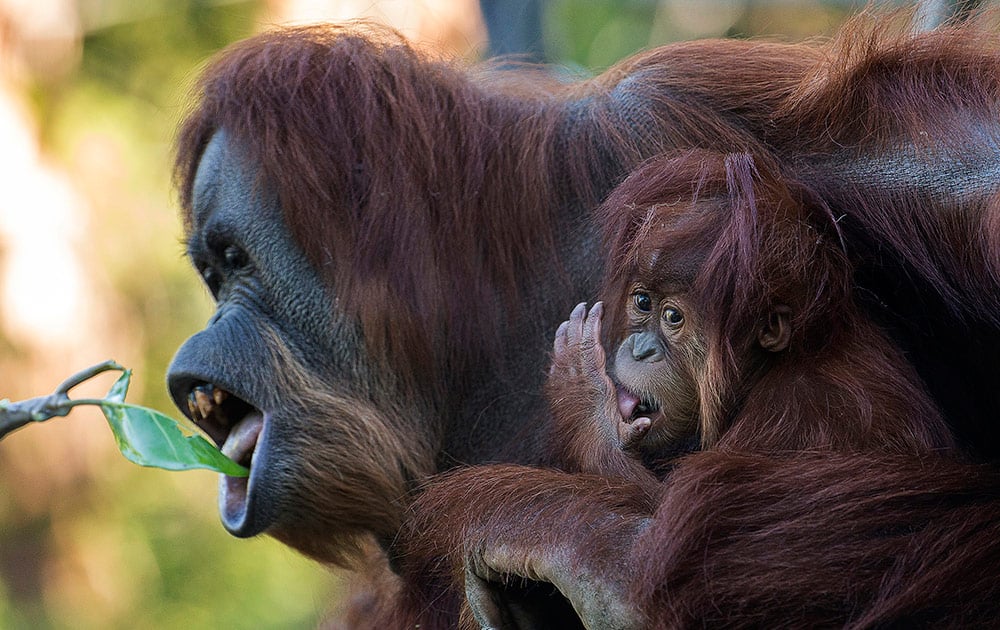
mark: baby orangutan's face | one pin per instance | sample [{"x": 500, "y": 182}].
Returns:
[{"x": 657, "y": 368}]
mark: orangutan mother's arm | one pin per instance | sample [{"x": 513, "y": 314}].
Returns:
[{"x": 519, "y": 537}]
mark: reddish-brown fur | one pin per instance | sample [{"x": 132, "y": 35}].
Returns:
[
  {"x": 928, "y": 246},
  {"x": 452, "y": 251},
  {"x": 827, "y": 493},
  {"x": 806, "y": 539},
  {"x": 450, "y": 210}
]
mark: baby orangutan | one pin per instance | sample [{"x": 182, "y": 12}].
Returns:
[{"x": 734, "y": 324}]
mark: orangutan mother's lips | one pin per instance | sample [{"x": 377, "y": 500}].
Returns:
[{"x": 235, "y": 493}]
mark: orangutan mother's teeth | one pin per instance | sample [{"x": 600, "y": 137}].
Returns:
[
  {"x": 193, "y": 408},
  {"x": 205, "y": 404},
  {"x": 219, "y": 395}
]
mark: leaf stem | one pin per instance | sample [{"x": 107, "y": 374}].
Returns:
[{"x": 87, "y": 374}]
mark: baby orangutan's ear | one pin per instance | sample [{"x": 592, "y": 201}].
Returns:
[{"x": 775, "y": 333}]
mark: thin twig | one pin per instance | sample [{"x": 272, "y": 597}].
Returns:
[
  {"x": 87, "y": 374},
  {"x": 14, "y": 415}
]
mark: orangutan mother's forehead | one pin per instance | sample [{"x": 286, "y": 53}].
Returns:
[
  {"x": 205, "y": 188},
  {"x": 225, "y": 179}
]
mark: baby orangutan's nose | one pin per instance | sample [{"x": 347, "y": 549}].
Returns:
[{"x": 646, "y": 347}]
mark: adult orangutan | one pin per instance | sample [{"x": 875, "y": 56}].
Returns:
[
  {"x": 735, "y": 323},
  {"x": 391, "y": 240}
]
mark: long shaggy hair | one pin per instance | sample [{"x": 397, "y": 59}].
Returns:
[
  {"x": 441, "y": 203},
  {"x": 414, "y": 183}
]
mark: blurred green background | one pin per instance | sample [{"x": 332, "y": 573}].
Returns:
[{"x": 91, "y": 267}]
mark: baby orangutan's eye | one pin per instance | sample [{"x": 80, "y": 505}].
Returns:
[
  {"x": 642, "y": 301},
  {"x": 673, "y": 317}
]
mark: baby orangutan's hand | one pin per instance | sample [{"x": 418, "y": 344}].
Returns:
[{"x": 580, "y": 364}]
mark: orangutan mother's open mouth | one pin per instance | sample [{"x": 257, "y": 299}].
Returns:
[
  {"x": 234, "y": 492},
  {"x": 238, "y": 429}
]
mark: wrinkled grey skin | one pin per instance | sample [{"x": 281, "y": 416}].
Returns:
[
  {"x": 962, "y": 170},
  {"x": 277, "y": 291}
]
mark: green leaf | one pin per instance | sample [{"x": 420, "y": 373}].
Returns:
[{"x": 150, "y": 438}]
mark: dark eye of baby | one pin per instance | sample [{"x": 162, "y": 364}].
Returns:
[
  {"x": 642, "y": 301},
  {"x": 673, "y": 317}
]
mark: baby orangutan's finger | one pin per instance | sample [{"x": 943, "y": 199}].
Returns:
[
  {"x": 631, "y": 433},
  {"x": 592, "y": 337},
  {"x": 574, "y": 333},
  {"x": 559, "y": 346}
]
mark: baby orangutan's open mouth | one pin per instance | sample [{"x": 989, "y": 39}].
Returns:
[
  {"x": 633, "y": 406},
  {"x": 639, "y": 413}
]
